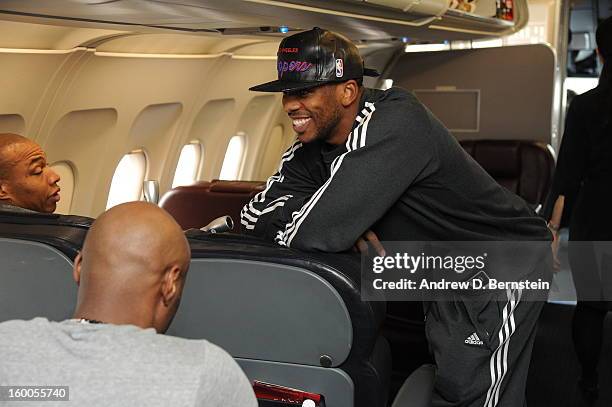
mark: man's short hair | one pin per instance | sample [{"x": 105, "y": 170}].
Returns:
[
  {"x": 7, "y": 140},
  {"x": 4, "y": 168}
]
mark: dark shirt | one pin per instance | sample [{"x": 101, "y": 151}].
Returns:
[
  {"x": 400, "y": 173},
  {"x": 15, "y": 209},
  {"x": 584, "y": 167}
]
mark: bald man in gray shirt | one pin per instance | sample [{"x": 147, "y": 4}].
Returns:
[{"x": 130, "y": 282}]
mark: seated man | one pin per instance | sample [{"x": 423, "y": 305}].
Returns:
[
  {"x": 130, "y": 283},
  {"x": 27, "y": 183},
  {"x": 370, "y": 163}
]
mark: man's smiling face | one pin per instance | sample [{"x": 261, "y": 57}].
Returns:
[
  {"x": 315, "y": 112},
  {"x": 28, "y": 181}
]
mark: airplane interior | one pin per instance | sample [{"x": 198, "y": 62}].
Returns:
[{"x": 148, "y": 100}]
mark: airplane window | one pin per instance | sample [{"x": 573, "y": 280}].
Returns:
[
  {"x": 233, "y": 158},
  {"x": 66, "y": 173},
  {"x": 188, "y": 164},
  {"x": 128, "y": 178}
]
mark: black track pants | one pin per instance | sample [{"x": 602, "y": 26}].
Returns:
[
  {"x": 482, "y": 348},
  {"x": 587, "y": 333}
]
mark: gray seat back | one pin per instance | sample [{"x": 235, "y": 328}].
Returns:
[
  {"x": 36, "y": 281},
  {"x": 292, "y": 318},
  {"x": 266, "y": 311},
  {"x": 36, "y": 252}
]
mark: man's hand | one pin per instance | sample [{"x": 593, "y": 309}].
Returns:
[
  {"x": 556, "y": 266},
  {"x": 554, "y": 230},
  {"x": 361, "y": 245}
]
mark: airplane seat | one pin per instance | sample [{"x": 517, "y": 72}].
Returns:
[
  {"x": 248, "y": 187},
  {"x": 37, "y": 251},
  {"x": 194, "y": 206},
  {"x": 290, "y": 318},
  {"x": 524, "y": 167},
  {"x": 417, "y": 389},
  {"x": 184, "y": 203}
]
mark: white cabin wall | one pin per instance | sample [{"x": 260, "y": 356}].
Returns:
[
  {"x": 206, "y": 124},
  {"x": 12, "y": 123},
  {"x": 22, "y": 35},
  {"x": 90, "y": 96},
  {"x": 280, "y": 138},
  {"x": 150, "y": 97},
  {"x": 82, "y": 138},
  {"x": 24, "y": 79},
  {"x": 255, "y": 124},
  {"x": 89, "y": 106}
]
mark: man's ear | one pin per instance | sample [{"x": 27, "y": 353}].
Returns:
[
  {"x": 170, "y": 285},
  {"x": 76, "y": 269},
  {"x": 350, "y": 93},
  {"x": 4, "y": 191}
]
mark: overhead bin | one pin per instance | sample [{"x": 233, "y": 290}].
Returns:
[
  {"x": 425, "y": 7},
  {"x": 484, "y": 16},
  {"x": 484, "y": 8},
  {"x": 423, "y": 20}
]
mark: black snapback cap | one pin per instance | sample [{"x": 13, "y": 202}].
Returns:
[{"x": 313, "y": 58}]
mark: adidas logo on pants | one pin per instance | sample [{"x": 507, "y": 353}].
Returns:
[{"x": 473, "y": 339}]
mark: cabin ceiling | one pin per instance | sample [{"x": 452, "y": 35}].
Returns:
[{"x": 355, "y": 18}]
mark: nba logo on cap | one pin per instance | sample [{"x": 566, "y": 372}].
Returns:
[{"x": 339, "y": 68}]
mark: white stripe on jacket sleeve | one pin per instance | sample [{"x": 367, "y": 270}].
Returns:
[
  {"x": 356, "y": 139},
  {"x": 249, "y": 214}
]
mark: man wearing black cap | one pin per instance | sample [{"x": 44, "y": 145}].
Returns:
[{"x": 371, "y": 163}]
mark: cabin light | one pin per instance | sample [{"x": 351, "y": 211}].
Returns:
[
  {"x": 387, "y": 84},
  {"x": 284, "y": 29},
  {"x": 488, "y": 43},
  {"x": 461, "y": 44},
  {"x": 427, "y": 47},
  {"x": 405, "y": 40}
]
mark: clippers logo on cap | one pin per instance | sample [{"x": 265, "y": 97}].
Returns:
[
  {"x": 292, "y": 66},
  {"x": 339, "y": 68}
]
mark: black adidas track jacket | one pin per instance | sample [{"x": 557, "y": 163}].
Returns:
[{"x": 400, "y": 173}]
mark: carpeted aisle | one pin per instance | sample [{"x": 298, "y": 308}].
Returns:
[{"x": 554, "y": 366}]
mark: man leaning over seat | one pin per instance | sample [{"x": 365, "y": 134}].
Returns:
[
  {"x": 370, "y": 163},
  {"x": 27, "y": 183},
  {"x": 111, "y": 353}
]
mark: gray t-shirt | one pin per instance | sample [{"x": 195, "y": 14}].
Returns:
[{"x": 119, "y": 365}]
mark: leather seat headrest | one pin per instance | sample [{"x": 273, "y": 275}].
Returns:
[{"x": 236, "y": 186}]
